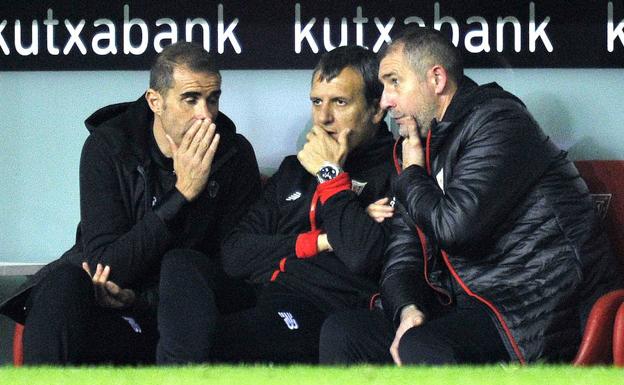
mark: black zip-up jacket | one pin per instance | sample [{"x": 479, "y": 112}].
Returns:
[
  {"x": 514, "y": 219},
  {"x": 131, "y": 213},
  {"x": 262, "y": 247}
]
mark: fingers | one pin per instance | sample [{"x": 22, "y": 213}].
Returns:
[
  {"x": 101, "y": 274},
  {"x": 412, "y": 131},
  {"x": 394, "y": 351},
  {"x": 190, "y": 135},
  {"x": 203, "y": 137},
  {"x": 380, "y": 210},
  {"x": 119, "y": 297},
  {"x": 85, "y": 267},
  {"x": 382, "y": 201},
  {"x": 211, "y": 151},
  {"x": 113, "y": 288},
  {"x": 343, "y": 140}
]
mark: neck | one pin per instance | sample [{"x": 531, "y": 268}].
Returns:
[
  {"x": 161, "y": 139},
  {"x": 445, "y": 101}
]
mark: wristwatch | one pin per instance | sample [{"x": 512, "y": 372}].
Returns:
[{"x": 328, "y": 172}]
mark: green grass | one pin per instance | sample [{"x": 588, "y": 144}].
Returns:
[{"x": 304, "y": 375}]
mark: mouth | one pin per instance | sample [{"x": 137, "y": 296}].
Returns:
[
  {"x": 332, "y": 134},
  {"x": 400, "y": 120}
]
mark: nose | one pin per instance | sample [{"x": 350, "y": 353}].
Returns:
[
  {"x": 387, "y": 101},
  {"x": 326, "y": 115},
  {"x": 202, "y": 111}
]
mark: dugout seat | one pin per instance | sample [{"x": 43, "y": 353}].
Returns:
[{"x": 603, "y": 338}]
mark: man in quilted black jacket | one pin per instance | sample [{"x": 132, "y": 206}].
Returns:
[{"x": 496, "y": 253}]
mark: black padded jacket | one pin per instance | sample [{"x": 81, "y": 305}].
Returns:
[{"x": 506, "y": 219}]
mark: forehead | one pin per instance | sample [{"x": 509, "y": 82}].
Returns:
[
  {"x": 349, "y": 82},
  {"x": 394, "y": 62},
  {"x": 185, "y": 80}
]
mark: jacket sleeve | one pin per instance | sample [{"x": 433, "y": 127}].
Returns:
[
  {"x": 109, "y": 236},
  {"x": 253, "y": 248},
  {"x": 501, "y": 156},
  {"x": 402, "y": 281},
  {"x": 244, "y": 189},
  {"x": 357, "y": 240}
]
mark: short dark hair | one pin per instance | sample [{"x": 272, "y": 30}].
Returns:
[
  {"x": 360, "y": 59},
  {"x": 190, "y": 55},
  {"x": 426, "y": 47}
]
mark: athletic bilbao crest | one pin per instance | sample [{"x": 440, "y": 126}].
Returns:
[{"x": 357, "y": 187}]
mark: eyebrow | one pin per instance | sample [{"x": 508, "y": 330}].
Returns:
[
  {"x": 195, "y": 94},
  {"x": 389, "y": 74}
]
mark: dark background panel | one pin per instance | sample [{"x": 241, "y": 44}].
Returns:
[{"x": 266, "y": 33}]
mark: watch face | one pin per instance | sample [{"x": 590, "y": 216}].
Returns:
[{"x": 327, "y": 173}]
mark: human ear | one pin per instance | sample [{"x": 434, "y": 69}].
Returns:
[
  {"x": 438, "y": 77},
  {"x": 154, "y": 101}
]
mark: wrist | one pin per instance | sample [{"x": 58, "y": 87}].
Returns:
[
  {"x": 322, "y": 243},
  {"x": 409, "y": 311},
  {"x": 187, "y": 195},
  {"x": 328, "y": 171},
  {"x": 306, "y": 245}
]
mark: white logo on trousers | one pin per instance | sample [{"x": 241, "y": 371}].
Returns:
[{"x": 289, "y": 320}]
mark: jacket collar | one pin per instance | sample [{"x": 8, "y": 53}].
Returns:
[
  {"x": 377, "y": 151},
  {"x": 469, "y": 96}
]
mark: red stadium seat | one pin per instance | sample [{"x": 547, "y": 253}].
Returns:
[
  {"x": 18, "y": 356},
  {"x": 603, "y": 338},
  {"x": 618, "y": 337}
]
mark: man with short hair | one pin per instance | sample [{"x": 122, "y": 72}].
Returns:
[
  {"x": 162, "y": 179},
  {"x": 496, "y": 253},
  {"x": 309, "y": 243}
]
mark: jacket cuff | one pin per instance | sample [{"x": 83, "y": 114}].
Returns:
[
  {"x": 399, "y": 291},
  {"x": 170, "y": 205},
  {"x": 330, "y": 188},
  {"x": 306, "y": 245}
]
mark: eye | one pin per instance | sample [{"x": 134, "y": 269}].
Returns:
[
  {"x": 341, "y": 102},
  {"x": 213, "y": 101},
  {"x": 190, "y": 100},
  {"x": 316, "y": 102},
  {"x": 394, "y": 82}
]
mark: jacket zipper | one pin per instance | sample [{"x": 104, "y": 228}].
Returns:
[{"x": 449, "y": 265}]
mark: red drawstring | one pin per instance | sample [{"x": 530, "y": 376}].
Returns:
[
  {"x": 313, "y": 211},
  {"x": 428, "y": 153}
]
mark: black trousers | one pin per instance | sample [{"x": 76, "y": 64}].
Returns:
[
  {"x": 284, "y": 327},
  {"x": 462, "y": 334},
  {"x": 65, "y": 325}
]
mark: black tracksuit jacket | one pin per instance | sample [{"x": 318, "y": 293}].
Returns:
[
  {"x": 262, "y": 247},
  {"x": 131, "y": 214}
]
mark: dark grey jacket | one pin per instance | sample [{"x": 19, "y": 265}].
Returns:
[{"x": 514, "y": 219}]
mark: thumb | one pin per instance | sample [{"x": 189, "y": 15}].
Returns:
[
  {"x": 343, "y": 139},
  {"x": 412, "y": 131},
  {"x": 172, "y": 145},
  {"x": 382, "y": 201}
]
